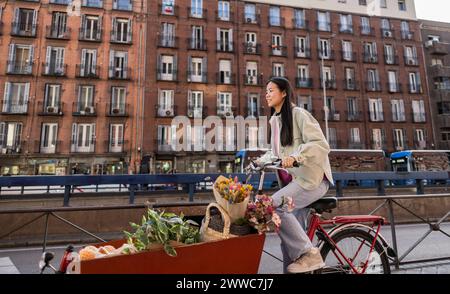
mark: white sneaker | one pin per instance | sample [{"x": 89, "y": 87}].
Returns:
[{"x": 308, "y": 262}]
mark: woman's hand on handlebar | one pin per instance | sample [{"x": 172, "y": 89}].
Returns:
[{"x": 288, "y": 162}]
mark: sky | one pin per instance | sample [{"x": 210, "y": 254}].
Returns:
[{"x": 437, "y": 10}]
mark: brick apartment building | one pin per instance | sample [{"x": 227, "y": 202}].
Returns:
[
  {"x": 213, "y": 58},
  {"x": 436, "y": 37},
  {"x": 69, "y": 83}
]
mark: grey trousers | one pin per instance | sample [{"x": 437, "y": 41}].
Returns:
[{"x": 294, "y": 240}]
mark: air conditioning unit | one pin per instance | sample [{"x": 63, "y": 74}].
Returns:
[
  {"x": 410, "y": 36},
  {"x": 168, "y": 112},
  {"x": 337, "y": 116},
  {"x": 228, "y": 113},
  {"x": 429, "y": 43},
  {"x": 373, "y": 59},
  {"x": 115, "y": 111},
  {"x": 51, "y": 109},
  {"x": 410, "y": 62},
  {"x": 250, "y": 47},
  {"x": 89, "y": 110},
  {"x": 250, "y": 80},
  {"x": 388, "y": 34},
  {"x": 248, "y": 20}
]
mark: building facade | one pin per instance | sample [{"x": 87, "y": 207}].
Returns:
[
  {"x": 70, "y": 84},
  {"x": 213, "y": 58},
  {"x": 436, "y": 38}
]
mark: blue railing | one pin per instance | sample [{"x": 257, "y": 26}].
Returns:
[{"x": 189, "y": 182}]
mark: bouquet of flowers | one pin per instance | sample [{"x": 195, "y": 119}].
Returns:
[
  {"x": 232, "y": 196},
  {"x": 262, "y": 216}
]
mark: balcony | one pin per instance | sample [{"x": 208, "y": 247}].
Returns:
[
  {"x": 252, "y": 48},
  {"x": 421, "y": 145},
  {"x": 278, "y": 50},
  {"x": 92, "y": 72},
  {"x": 438, "y": 71},
  {"x": 333, "y": 115},
  {"x": 46, "y": 109},
  {"x": 346, "y": 30},
  {"x": 400, "y": 144},
  {"x": 394, "y": 87},
  {"x": 391, "y": 59},
  {"x": 444, "y": 120},
  {"x": 81, "y": 109},
  {"x": 398, "y": 117},
  {"x": 117, "y": 37},
  {"x": 123, "y": 5},
  {"x": 49, "y": 69},
  {"x": 440, "y": 95},
  {"x": 303, "y": 82},
  {"x": 92, "y": 3},
  {"x": 376, "y": 116},
  {"x": 163, "y": 146},
  {"x": 329, "y": 84},
  {"x": 323, "y": 26},
  {"x": 250, "y": 80},
  {"x": 378, "y": 145},
  {"x": 225, "y": 111},
  {"x": 57, "y": 34},
  {"x": 437, "y": 48},
  {"x": 224, "y": 16},
  {"x": 14, "y": 107},
  {"x": 225, "y": 78},
  {"x": 411, "y": 61},
  {"x": 301, "y": 24},
  {"x": 115, "y": 146},
  {"x": 335, "y": 143},
  {"x": 197, "y": 112},
  {"x": 302, "y": 52},
  {"x": 419, "y": 117},
  {"x": 19, "y": 68},
  {"x": 327, "y": 54},
  {"x": 415, "y": 88},
  {"x": 348, "y": 56},
  {"x": 168, "y": 10},
  {"x": 387, "y": 33},
  {"x": 194, "y": 77},
  {"x": 351, "y": 85},
  {"x": 373, "y": 86},
  {"x": 15, "y": 149},
  {"x": 117, "y": 110},
  {"x": 356, "y": 116},
  {"x": 23, "y": 29},
  {"x": 164, "y": 111},
  {"x": 166, "y": 42},
  {"x": 166, "y": 76},
  {"x": 87, "y": 146},
  {"x": 444, "y": 145},
  {"x": 254, "y": 112},
  {"x": 223, "y": 46},
  {"x": 119, "y": 73},
  {"x": 197, "y": 44},
  {"x": 54, "y": 147},
  {"x": 90, "y": 36},
  {"x": 369, "y": 58},
  {"x": 276, "y": 21},
  {"x": 197, "y": 13},
  {"x": 355, "y": 144},
  {"x": 367, "y": 31},
  {"x": 252, "y": 19},
  {"x": 407, "y": 35}
]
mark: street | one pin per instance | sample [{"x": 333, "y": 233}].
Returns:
[{"x": 25, "y": 260}]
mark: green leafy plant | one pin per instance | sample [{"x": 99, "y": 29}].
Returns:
[{"x": 161, "y": 228}]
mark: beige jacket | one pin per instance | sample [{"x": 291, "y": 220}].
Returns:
[{"x": 310, "y": 145}]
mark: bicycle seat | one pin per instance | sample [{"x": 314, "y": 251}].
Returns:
[{"x": 324, "y": 204}]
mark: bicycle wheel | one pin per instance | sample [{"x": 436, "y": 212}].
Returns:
[{"x": 355, "y": 245}]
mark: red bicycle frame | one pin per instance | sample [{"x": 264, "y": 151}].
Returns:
[{"x": 317, "y": 223}]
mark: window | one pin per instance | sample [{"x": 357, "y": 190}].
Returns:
[
  {"x": 86, "y": 100},
  {"x": 16, "y": 97},
  {"x": 376, "y": 109},
  {"x": 355, "y": 136},
  {"x": 250, "y": 13},
  {"x": 58, "y": 28},
  {"x": 251, "y": 73},
  {"x": 420, "y": 139},
  {"x": 224, "y": 10},
  {"x": 197, "y": 8},
  {"x": 88, "y": 62},
  {"x": 274, "y": 16},
  {"x": 197, "y": 41},
  {"x": 401, "y": 5},
  {"x": 91, "y": 28},
  {"x": 24, "y": 23},
  {"x": 411, "y": 55},
  {"x": 347, "y": 51},
  {"x": 299, "y": 18},
  {"x": 373, "y": 80},
  {"x": 378, "y": 139},
  {"x": 20, "y": 59},
  {"x": 398, "y": 110},
  {"x": 225, "y": 40},
  {"x": 166, "y": 103},
  {"x": 93, "y": 3},
  {"x": 166, "y": 137},
  {"x": 350, "y": 79},
  {"x": 393, "y": 82},
  {"x": 302, "y": 47},
  {"x": 224, "y": 72},
  {"x": 370, "y": 52},
  {"x": 121, "y": 30},
  {"x": 278, "y": 70},
  {"x": 365, "y": 26},
  {"x": 166, "y": 68},
  {"x": 303, "y": 80},
  {"x": 10, "y": 137},
  {"x": 118, "y": 99},
  {"x": 224, "y": 104},
  {"x": 418, "y": 108},
  {"x": 54, "y": 61},
  {"x": 346, "y": 25},
  {"x": 195, "y": 104},
  {"x": 277, "y": 43},
  {"x": 118, "y": 64},
  {"x": 399, "y": 139},
  {"x": 197, "y": 69},
  {"x": 52, "y": 99},
  {"x": 83, "y": 138},
  {"x": 323, "y": 22},
  {"x": 49, "y": 135},
  {"x": 324, "y": 49},
  {"x": 352, "y": 109},
  {"x": 251, "y": 43},
  {"x": 116, "y": 138},
  {"x": 253, "y": 105},
  {"x": 414, "y": 83},
  {"x": 305, "y": 102}
]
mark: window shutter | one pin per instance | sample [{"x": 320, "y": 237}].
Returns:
[
  {"x": 2, "y": 134},
  {"x": 115, "y": 4},
  {"x": 83, "y": 60},
  {"x": 94, "y": 62},
  {"x": 230, "y": 40},
  {"x": 218, "y": 40},
  {"x": 17, "y": 135},
  {"x": 189, "y": 69},
  {"x": 33, "y": 27},
  {"x": 159, "y": 67},
  {"x": 129, "y": 31},
  {"x": 47, "y": 59},
  {"x": 6, "y": 97},
  {"x": 99, "y": 29},
  {"x": 92, "y": 145},
  {"x": 111, "y": 63},
  {"x": 175, "y": 67},
  {"x": 115, "y": 30},
  {"x": 204, "y": 69}
]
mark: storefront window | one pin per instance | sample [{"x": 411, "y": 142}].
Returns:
[{"x": 163, "y": 166}]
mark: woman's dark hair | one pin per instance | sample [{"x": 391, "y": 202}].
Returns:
[{"x": 286, "y": 110}]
